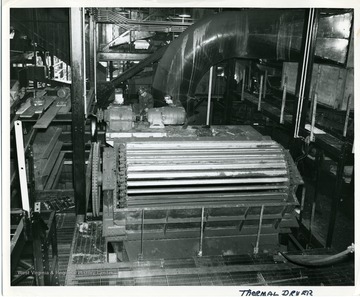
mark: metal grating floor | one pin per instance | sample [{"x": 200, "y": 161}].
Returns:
[
  {"x": 65, "y": 223},
  {"x": 87, "y": 267}
]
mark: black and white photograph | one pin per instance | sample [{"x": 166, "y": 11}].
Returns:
[{"x": 179, "y": 149}]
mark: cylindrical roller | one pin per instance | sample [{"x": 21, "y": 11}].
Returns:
[
  {"x": 202, "y": 152},
  {"x": 224, "y": 195},
  {"x": 200, "y": 144},
  {"x": 206, "y": 156},
  {"x": 204, "y": 174},
  {"x": 177, "y": 167},
  {"x": 207, "y": 181},
  {"x": 206, "y": 189}
]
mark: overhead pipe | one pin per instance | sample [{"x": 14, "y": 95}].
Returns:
[
  {"x": 252, "y": 34},
  {"x": 272, "y": 34}
]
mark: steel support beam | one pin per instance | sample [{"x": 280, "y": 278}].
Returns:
[
  {"x": 91, "y": 51},
  {"x": 337, "y": 193},
  {"x": 121, "y": 56},
  {"x": 230, "y": 88},
  {"x": 77, "y": 103},
  {"x": 139, "y": 67},
  {"x": 305, "y": 67}
]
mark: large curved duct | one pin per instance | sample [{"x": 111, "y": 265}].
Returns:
[{"x": 273, "y": 34}]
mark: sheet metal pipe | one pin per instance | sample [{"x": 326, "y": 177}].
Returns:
[
  {"x": 283, "y": 102},
  {"x": 226, "y": 35},
  {"x": 348, "y": 107},
  {"x": 209, "y": 97},
  {"x": 260, "y": 92}
]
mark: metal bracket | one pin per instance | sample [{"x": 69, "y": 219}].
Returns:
[{"x": 22, "y": 166}]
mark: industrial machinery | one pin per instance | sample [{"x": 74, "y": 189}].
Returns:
[{"x": 175, "y": 192}]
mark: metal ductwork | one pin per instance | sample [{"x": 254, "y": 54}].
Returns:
[{"x": 273, "y": 34}]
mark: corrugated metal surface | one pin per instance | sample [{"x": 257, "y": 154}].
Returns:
[{"x": 332, "y": 84}]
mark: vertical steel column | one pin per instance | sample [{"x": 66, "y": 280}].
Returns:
[
  {"x": 318, "y": 163},
  {"x": 77, "y": 105},
  {"x": 256, "y": 248},
  {"x": 302, "y": 204},
  {"x": 229, "y": 93},
  {"x": 305, "y": 69},
  {"x": 337, "y": 193},
  {"x": 348, "y": 108},
  {"x": 141, "y": 255},
  {"x": 91, "y": 51},
  {"x": 283, "y": 101},
  {"x": 95, "y": 61},
  {"x": 52, "y": 70},
  {"x": 201, "y": 233},
  {"x": 260, "y": 92},
  {"x": 111, "y": 69},
  {"x": 313, "y": 117},
  {"x": 209, "y": 96},
  {"x": 265, "y": 80},
  {"x": 84, "y": 60}
]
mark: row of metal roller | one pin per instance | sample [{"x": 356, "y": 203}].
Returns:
[{"x": 205, "y": 172}]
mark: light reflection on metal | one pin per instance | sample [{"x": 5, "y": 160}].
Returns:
[
  {"x": 241, "y": 34},
  {"x": 223, "y": 36}
]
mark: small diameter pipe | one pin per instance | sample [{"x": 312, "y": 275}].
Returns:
[
  {"x": 260, "y": 92},
  {"x": 265, "y": 80},
  {"x": 303, "y": 193},
  {"x": 249, "y": 78},
  {"x": 209, "y": 97},
  {"x": 243, "y": 85},
  {"x": 348, "y": 107},
  {"x": 313, "y": 118},
  {"x": 256, "y": 249},
  {"x": 283, "y": 101},
  {"x": 142, "y": 235},
  {"x": 201, "y": 233}
]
